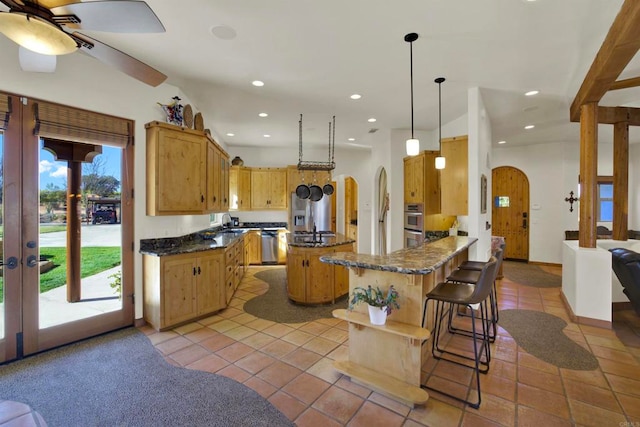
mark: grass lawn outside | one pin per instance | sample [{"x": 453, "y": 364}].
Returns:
[
  {"x": 43, "y": 229},
  {"x": 93, "y": 260}
]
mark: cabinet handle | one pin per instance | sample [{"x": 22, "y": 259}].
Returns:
[
  {"x": 199, "y": 271},
  {"x": 202, "y": 197},
  {"x": 194, "y": 271},
  {"x": 303, "y": 263},
  {"x": 214, "y": 199}
]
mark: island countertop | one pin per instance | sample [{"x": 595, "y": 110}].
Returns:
[
  {"x": 306, "y": 241},
  {"x": 417, "y": 260}
]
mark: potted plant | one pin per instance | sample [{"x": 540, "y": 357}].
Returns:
[{"x": 380, "y": 304}]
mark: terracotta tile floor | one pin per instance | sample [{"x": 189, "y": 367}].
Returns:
[{"x": 291, "y": 366}]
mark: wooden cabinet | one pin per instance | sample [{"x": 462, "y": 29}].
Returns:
[
  {"x": 180, "y": 288},
  {"x": 234, "y": 267},
  {"x": 310, "y": 281},
  {"x": 414, "y": 179},
  {"x": 239, "y": 188},
  {"x": 268, "y": 188},
  {"x": 422, "y": 181},
  {"x": 455, "y": 177},
  {"x": 176, "y": 170},
  {"x": 253, "y": 238},
  {"x": 185, "y": 172},
  {"x": 350, "y": 204},
  {"x": 352, "y": 232}
]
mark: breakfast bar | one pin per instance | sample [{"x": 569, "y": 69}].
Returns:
[{"x": 389, "y": 358}]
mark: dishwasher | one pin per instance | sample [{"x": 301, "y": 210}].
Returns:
[{"x": 269, "y": 246}]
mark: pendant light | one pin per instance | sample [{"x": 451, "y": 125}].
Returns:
[
  {"x": 413, "y": 145},
  {"x": 440, "y": 160}
]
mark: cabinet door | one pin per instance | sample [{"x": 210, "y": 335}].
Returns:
[
  {"x": 179, "y": 290},
  {"x": 455, "y": 177},
  {"x": 214, "y": 174},
  {"x": 278, "y": 189},
  {"x": 255, "y": 246},
  {"x": 319, "y": 277},
  {"x": 224, "y": 182},
  {"x": 244, "y": 189},
  {"x": 260, "y": 189},
  {"x": 282, "y": 247},
  {"x": 296, "y": 276},
  {"x": 180, "y": 172},
  {"x": 341, "y": 273},
  {"x": 413, "y": 179},
  {"x": 210, "y": 284}
]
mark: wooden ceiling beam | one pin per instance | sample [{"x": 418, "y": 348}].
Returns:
[
  {"x": 619, "y": 47},
  {"x": 625, "y": 84},
  {"x": 613, "y": 115}
]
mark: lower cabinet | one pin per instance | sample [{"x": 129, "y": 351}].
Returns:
[
  {"x": 254, "y": 240},
  {"x": 311, "y": 281},
  {"x": 180, "y": 288}
]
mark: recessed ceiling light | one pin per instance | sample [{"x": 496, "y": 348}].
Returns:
[
  {"x": 356, "y": 96},
  {"x": 371, "y": 120},
  {"x": 263, "y": 115},
  {"x": 231, "y": 134},
  {"x": 257, "y": 83},
  {"x": 223, "y": 32},
  {"x": 502, "y": 142},
  {"x": 529, "y": 127},
  {"x": 266, "y": 135},
  {"x": 532, "y": 92},
  {"x": 351, "y": 139}
]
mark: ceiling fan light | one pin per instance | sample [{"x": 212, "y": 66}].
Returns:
[
  {"x": 413, "y": 147},
  {"x": 440, "y": 162},
  {"x": 36, "y": 34}
]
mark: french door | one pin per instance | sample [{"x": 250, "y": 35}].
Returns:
[{"x": 45, "y": 246}]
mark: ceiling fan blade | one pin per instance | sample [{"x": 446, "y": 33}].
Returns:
[
  {"x": 120, "y": 60},
  {"x": 122, "y": 16},
  {"x": 36, "y": 62}
]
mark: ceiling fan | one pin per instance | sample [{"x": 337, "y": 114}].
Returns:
[{"x": 48, "y": 27}]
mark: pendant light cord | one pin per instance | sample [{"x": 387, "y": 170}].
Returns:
[
  {"x": 440, "y": 115},
  {"x": 411, "y": 74}
]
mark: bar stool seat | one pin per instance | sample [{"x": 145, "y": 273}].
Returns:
[{"x": 447, "y": 295}]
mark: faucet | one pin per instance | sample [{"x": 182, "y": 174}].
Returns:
[{"x": 228, "y": 223}]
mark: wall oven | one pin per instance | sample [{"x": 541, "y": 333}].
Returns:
[
  {"x": 412, "y": 238},
  {"x": 413, "y": 216},
  {"x": 413, "y": 225}
]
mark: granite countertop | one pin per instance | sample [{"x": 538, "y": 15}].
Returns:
[
  {"x": 307, "y": 241},
  {"x": 195, "y": 242},
  {"x": 418, "y": 260}
]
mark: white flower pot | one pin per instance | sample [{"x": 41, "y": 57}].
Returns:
[{"x": 377, "y": 315}]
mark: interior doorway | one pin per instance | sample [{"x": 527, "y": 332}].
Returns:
[{"x": 510, "y": 212}]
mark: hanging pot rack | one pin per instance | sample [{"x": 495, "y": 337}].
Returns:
[{"x": 315, "y": 165}]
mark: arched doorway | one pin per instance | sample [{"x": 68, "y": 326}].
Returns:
[{"x": 510, "y": 213}]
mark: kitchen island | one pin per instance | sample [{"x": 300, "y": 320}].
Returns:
[
  {"x": 389, "y": 359},
  {"x": 308, "y": 280}
]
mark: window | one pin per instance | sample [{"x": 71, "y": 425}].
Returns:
[{"x": 605, "y": 199}]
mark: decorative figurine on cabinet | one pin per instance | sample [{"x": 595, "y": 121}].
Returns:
[{"x": 173, "y": 111}]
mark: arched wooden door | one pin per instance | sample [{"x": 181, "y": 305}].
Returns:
[{"x": 510, "y": 213}]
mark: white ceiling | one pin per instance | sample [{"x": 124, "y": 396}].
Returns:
[{"x": 313, "y": 54}]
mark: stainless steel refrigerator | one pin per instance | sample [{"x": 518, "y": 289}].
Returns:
[{"x": 305, "y": 213}]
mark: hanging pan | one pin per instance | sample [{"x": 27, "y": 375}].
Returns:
[
  {"x": 316, "y": 192},
  {"x": 303, "y": 191}
]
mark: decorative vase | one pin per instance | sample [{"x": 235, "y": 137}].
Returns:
[
  {"x": 377, "y": 315},
  {"x": 237, "y": 161}
]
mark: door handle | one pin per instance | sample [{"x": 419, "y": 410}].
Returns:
[
  {"x": 32, "y": 261},
  {"x": 12, "y": 263},
  {"x": 524, "y": 224}
]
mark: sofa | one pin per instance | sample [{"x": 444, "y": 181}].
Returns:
[{"x": 626, "y": 265}]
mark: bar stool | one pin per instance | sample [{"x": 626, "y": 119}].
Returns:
[
  {"x": 471, "y": 276},
  {"x": 447, "y": 295}
]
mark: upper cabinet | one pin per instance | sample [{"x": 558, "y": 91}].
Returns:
[
  {"x": 239, "y": 188},
  {"x": 455, "y": 176},
  {"x": 422, "y": 182},
  {"x": 185, "y": 172},
  {"x": 269, "y": 188}
]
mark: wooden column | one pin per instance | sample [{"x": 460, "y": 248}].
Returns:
[
  {"x": 620, "y": 180},
  {"x": 74, "y": 245},
  {"x": 588, "y": 174}
]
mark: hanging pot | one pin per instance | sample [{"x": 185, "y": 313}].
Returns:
[
  {"x": 327, "y": 189},
  {"x": 303, "y": 191},
  {"x": 316, "y": 192}
]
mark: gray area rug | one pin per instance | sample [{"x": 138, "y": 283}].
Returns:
[
  {"x": 120, "y": 379},
  {"x": 530, "y": 275},
  {"x": 540, "y": 334},
  {"x": 276, "y": 306}
]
